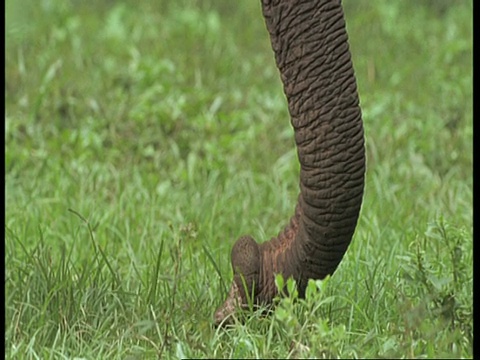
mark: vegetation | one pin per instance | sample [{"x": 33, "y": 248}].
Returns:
[{"x": 144, "y": 137}]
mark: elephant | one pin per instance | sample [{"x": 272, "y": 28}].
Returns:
[{"x": 310, "y": 45}]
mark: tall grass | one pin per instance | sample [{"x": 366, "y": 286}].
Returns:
[{"x": 143, "y": 138}]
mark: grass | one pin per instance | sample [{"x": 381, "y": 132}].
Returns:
[{"x": 143, "y": 138}]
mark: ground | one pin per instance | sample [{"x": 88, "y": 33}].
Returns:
[{"x": 143, "y": 138}]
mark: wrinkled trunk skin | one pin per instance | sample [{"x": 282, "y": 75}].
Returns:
[{"x": 309, "y": 40}]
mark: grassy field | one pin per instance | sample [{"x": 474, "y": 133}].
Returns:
[{"x": 144, "y": 137}]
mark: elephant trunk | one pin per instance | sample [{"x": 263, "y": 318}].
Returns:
[{"x": 309, "y": 40}]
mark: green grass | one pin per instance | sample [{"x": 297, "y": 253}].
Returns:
[{"x": 143, "y": 138}]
